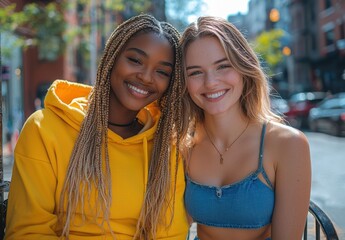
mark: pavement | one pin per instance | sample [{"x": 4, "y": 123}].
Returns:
[{"x": 7, "y": 161}]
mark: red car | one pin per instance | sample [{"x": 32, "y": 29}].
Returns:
[{"x": 300, "y": 105}]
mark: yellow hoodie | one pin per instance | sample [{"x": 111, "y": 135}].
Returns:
[{"x": 41, "y": 159}]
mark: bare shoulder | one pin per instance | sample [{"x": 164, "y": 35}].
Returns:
[
  {"x": 286, "y": 142},
  {"x": 286, "y": 135}
]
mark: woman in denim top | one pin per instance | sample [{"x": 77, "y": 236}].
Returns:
[{"x": 248, "y": 175}]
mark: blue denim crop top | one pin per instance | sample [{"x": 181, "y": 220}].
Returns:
[{"x": 247, "y": 203}]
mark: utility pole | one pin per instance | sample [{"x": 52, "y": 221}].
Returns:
[
  {"x": 93, "y": 42},
  {"x": 1, "y": 162},
  {"x": 3, "y": 185}
]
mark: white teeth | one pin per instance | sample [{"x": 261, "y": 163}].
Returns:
[
  {"x": 137, "y": 89},
  {"x": 215, "y": 95}
]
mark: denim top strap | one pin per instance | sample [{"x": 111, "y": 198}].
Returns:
[{"x": 261, "y": 168}]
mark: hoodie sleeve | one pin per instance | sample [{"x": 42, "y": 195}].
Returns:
[{"x": 32, "y": 201}]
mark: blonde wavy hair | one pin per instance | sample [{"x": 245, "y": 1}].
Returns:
[
  {"x": 89, "y": 163},
  {"x": 254, "y": 100}
]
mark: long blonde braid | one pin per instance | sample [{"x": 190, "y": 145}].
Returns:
[
  {"x": 156, "y": 199},
  {"x": 89, "y": 164}
]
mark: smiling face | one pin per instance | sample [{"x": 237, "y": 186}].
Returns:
[
  {"x": 213, "y": 84},
  {"x": 142, "y": 72}
]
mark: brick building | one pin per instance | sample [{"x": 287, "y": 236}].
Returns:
[
  {"x": 329, "y": 69},
  {"x": 318, "y": 44}
]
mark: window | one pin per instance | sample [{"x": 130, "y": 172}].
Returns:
[
  {"x": 313, "y": 43},
  {"x": 328, "y": 4},
  {"x": 329, "y": 37},
  {"x": 342, "y": 30}
]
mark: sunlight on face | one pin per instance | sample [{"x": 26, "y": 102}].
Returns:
[{"x": 213, "y": 84}]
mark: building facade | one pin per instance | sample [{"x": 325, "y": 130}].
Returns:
[
  {"x": 318, "y": 33},
  {"x": 11, "y": 86},
  {"x": 314, "y": 31},
  {"x": 328, "y": 71}
]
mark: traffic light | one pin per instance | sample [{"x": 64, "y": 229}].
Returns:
[
  {"x": 274, "y": 15},
  {"x": 286, "y": 51},
  {"x": 5, "y": 72}
]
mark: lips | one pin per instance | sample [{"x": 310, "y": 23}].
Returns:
[{"x": 215, "y": 94}]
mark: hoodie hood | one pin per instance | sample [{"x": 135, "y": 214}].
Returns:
[
  {"x": 69, "y": 100},
  {"x": 42, "y": 156}
]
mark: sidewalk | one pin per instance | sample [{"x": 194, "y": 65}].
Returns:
[{"x": 7, "y": 161}]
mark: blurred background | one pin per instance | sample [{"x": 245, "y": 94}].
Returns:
[{"x": 301, "y": 44}]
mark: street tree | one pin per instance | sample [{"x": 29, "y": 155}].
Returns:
[
  {"x": 268, "y": 46},
  {"x": 45, "y": 26}
]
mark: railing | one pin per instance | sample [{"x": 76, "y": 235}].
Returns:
[
  {"x": 322, "y": 222},
  {"x": 4, "y": 187}
]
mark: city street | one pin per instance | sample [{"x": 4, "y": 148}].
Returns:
[
  {"x": 298, "y": 49},
  {"x": 328, "y": 185}
]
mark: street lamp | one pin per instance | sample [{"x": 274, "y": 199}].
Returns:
[
  {"x": 286, "y": 51},
  {"x": 274, "y": 15}
]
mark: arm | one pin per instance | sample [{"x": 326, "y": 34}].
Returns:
[
  {"x": 292, "y": 186},
  {"x": 31, "y": 205},
  {"x": 190, "y": 220}
]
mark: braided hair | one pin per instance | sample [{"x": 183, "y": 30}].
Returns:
[{"x": 89, "y": 163}]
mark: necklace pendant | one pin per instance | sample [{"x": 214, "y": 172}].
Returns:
[{"x": 228, "y": 147}]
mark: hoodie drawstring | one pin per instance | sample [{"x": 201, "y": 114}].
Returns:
[{"x": 146, "y": 162}]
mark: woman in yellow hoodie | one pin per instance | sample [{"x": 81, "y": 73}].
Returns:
[{"x": 98, "y": 162}]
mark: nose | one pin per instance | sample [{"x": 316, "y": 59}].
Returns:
[
  {"x": 210, "y": 79},
  {"x": 145, "y": 75}
]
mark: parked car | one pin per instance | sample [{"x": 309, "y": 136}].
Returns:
[
  {"x": 300, "y": 105},
  {"x": 329, "y": 115}
]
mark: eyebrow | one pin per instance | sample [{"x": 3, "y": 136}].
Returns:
[
  {"x": 141, "y": 52},
  {"x": 216, "y": 62}
]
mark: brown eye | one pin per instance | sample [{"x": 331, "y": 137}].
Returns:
[
  {"x": 134, "y": 60},
  {"x": 164, "y": 73}
]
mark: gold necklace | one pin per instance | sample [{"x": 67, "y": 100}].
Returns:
[{"x": 228, "y": 147}]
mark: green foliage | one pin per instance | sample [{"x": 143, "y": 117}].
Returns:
[
  {"x": 43, "y": 25},
  {"x": 10, "y": 20},
  {"x": 136, "y": 6},
  {"x": 48, "y": 25},
  {"x": 103, "y": 17},
  {"x": 268, "y": 46},
  {"x": 141, "y": 5},
  {"x": 115, "y": 5}
]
